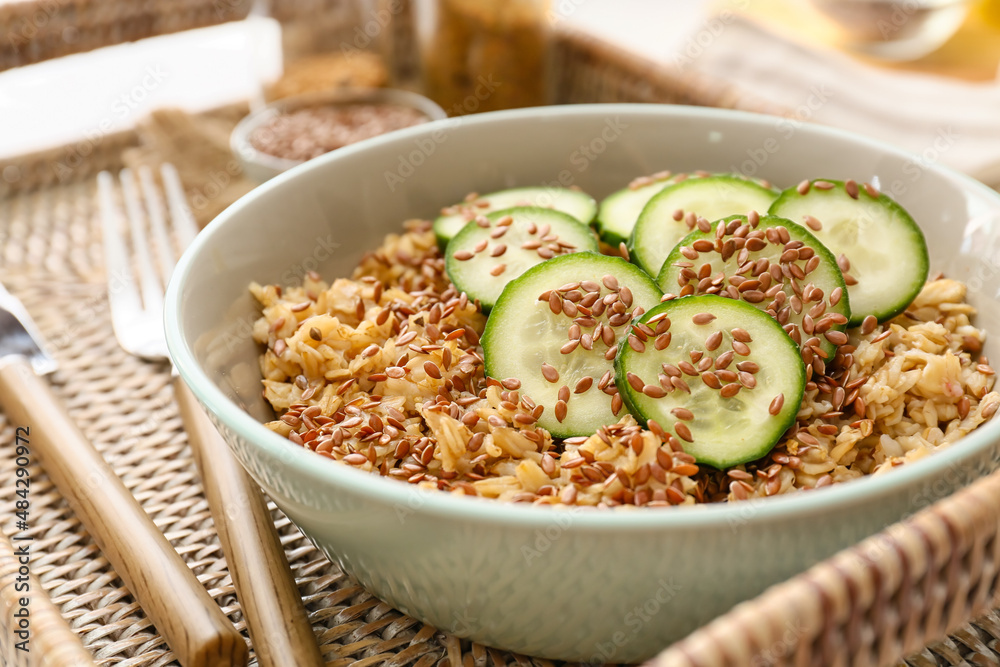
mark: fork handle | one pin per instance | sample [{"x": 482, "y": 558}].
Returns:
[
  {"x": 265, "y": 587},
  {"x": 173, "y": 598}
]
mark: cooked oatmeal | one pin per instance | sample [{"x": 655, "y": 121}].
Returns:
[{"x": 383, "y": 371}]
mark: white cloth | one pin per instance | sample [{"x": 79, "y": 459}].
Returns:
[{"x": 941, "y": 119}]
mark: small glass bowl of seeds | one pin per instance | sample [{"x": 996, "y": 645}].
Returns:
[{"x": 292, "y": 130}]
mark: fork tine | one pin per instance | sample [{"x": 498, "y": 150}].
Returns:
[
  {"x": 122, "y": 291},
  {"x": 152, "y": 292},
  {"x": 157, "y": 222},
  {"x": 185, "y": 227}
]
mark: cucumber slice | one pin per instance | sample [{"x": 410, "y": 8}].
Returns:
[
  {"x": 672, "y": 213},
  {"x": 578, "y": 204},
  {"x": 805, "y": 293},
  {"x": 530, "y": 326},
  {"x": 878, "y": 246},
  {"x": 721, "y": 421},
  {"x": 618, "y": 211},
  {"x": 489, "y": 253}
]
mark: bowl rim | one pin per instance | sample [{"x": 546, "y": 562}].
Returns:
[
  {"x": 239, "y": 138},
  {"x": 303, "y": 462}
]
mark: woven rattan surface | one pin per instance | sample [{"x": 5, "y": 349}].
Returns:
[
  {"x": 36, "y": 30},
  {"x": 51, "y": 258}
]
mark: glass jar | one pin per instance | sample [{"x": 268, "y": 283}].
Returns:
[{"x": 483, "y": 55}]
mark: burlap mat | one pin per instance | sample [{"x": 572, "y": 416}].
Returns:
[{"x": 50, "y": 256}]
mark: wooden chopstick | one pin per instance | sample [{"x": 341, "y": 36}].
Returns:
[
  {"x": 47, "y": 639},
  {"x": 271, "y": 604},
  {"x": 190, "y": 621}
]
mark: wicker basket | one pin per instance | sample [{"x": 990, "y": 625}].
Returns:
[
  {"x": 873, "y": 604},
  {"x": 43, "y": 29}
]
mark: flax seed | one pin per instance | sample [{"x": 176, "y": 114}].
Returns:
[
  {"x": 555, "y": 303},
  {"x": 683, "y": 414},
  {"x": 684, "y": 433},
  {"x": 550, "y": 373},
  {"x": 836, "y": 337},
  {"x": 654, "y": 391},
  {"x": 730, "y": 390},
  {"x": 569, "y": 347},
  {"x": 635, "y": 381},
  {"x": 851, "y": 186},
  {"x": 679, "y": 383},
  {"x": 741, "y": 348}
]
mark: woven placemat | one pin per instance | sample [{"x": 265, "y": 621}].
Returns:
[
  {"x": 51, "y": 259},
  {"x": 50, "y": 256}
]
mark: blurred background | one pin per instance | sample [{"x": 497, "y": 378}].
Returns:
[{"x": 87, "y": 85}]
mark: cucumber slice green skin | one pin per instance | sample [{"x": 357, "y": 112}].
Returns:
[
  {"x": 886, "y": 251},
  {"x": 523, "y": 332},
  {"x": 618, "y": 211},
  {"x": 657, "y": 231},
  {"x": 725, "y": 431},
  {"x": 578, "y": 204},
  {"x": 679, "y": 273},
  {"x": 474, "y": 274}
]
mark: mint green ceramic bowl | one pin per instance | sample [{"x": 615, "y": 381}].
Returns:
[{"x": 577, "y": 585}]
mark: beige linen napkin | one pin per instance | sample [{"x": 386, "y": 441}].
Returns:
[{"x": 953, "y": 122}]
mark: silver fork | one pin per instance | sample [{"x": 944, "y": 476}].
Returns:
[
  {"x": 137, "y": 313},
  {"x": 269, "y": 598}
]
